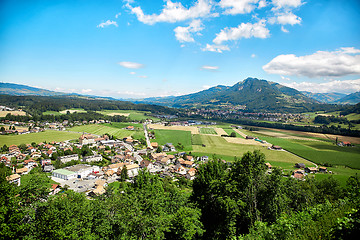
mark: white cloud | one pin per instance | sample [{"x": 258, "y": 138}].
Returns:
[
  {"x": 346, "y": 86},
  {"x": 286, "y": 4},
  {"x": 183, "y": 34},
  {"x": 86, "y": 90},
  {"x": 209, "y": 68},
  {"x": 349, "y": 50},
  {"x": 131, "y": 65},
  {"x": 174, "y": 12},
  {"x": 234, "y": 7},
  {"x": 253, "y": 55},
  {"x": 132, "y": 73},
  {"x": 142, "y": 76},
  {"x": 262, "y": 4},
  {"x": 244, "y": 30},
  {"x": 205, "y": 87},
  {"x": 285, "y": 78},
  {"x": 107, "y": 23},
  {"x": 320, "y": 64},
  {"x": 216, "y": 48},
  {"x": 287, "y": 18},
  {"x": 117, "y": 15},
  {"x": 284, "y": 29}
]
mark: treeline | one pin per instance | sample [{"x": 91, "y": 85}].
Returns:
[
  {"x": 321, "y": 129},
  {"x": 71, "y": 117},
  {"x": 36, "y": 105},
  {"x": 239, "y": 201}
]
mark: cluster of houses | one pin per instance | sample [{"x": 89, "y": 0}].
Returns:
[
  {"x": 122, "y": 153},
  {"x": 302, "y": 171}
]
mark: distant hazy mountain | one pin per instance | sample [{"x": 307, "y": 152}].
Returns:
[
  {"x": 253, "y": 93},
  {"x": 324, "y": 97},
  {"x": 23, "y": 90},
  {"x": 352, "y": 98}
]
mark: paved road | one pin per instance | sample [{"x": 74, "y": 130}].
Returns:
[{"x": 147, "y": 137}]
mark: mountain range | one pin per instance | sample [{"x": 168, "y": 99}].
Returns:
[{"x": 251, "y": 94}]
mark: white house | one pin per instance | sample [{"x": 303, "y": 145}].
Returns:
[
  {"x": 94, "y": 158},
  {"x": 68, "y": 158}
]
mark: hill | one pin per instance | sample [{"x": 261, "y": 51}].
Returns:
[
  {"x": 23, "y": 90},
  {"x": 324, "y": 97},
  {"x": 352, "y": 98},
  {"x": 251, "y": 94}
]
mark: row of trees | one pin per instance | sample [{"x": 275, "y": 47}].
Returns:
[{"x": 239, "y": 201}]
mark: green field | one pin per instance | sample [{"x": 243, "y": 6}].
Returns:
[
  {"x": 196, "y": 139},
  {"x": 219, "y": 146},
  {"x": 230, "y": 130},
  {"x": 100, "y": 129},
  {"x": 48, "y": 136},
  {"x": 71, "y": 110},
  {"x": 203, "y": 130},
  {"x": 134, "y": 115},
  {"x": 120, "y": 125},
  {"x": 174, "y": 137}
]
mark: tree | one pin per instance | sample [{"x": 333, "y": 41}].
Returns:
[
  {"x": 232, "y": 134},
  {"x": 124, "y": 174},
  {"x": 2, "y": 129}
]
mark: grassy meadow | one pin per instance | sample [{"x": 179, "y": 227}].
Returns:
[
  {"x": 174, "y": 137},
  {"x": 207, "y": 130},
  {"x": 100, "y": 129},
  {"x": 133, "y": 115},
  {"x": 48, "y": 136}
]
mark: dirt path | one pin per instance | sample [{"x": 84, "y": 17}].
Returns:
[
  {"x": 239, "y": 132},
  {"x": 220, "y": 131}
]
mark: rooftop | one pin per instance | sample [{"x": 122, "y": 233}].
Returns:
[{"x": 63, "y": 172}]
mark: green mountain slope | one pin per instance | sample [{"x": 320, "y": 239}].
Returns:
[
  {"x": 352, "y": 98},
  {"x": 23, "y": 90},
  {"x": 252, "y": 94},
  {"x": 324, "y": 97}
]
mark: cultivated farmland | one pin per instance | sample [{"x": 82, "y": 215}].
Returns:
[
  {"x": 174, "y": 137},
  {"x": 48, "y": 136},
  {"x": 99, "y": 129}
]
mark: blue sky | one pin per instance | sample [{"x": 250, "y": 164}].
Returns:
[{"x": 137, "y": 49}]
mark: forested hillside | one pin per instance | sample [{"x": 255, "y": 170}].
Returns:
[{"x": 223, "y": 202}]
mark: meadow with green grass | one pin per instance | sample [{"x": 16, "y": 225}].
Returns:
[
  {"x": 100, "y": 129},
  {"x": 207, "y": 130},
  {"x": 230, "y": 130},
  {"x": 174, "y": 137},
  {"x": 48, "y": 136},
  {"x": 220, "y": 147},
  {"x": 132, "y": 114},
  {"x": 71, "y": 110}
]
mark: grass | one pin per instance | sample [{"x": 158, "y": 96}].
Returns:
[
  {"x": 230, "y": 130},
  {"x": 227, "y": 151},
  {"x": 71, "y": 110},
  {"x": 100, "y": 129},
  {"x": 196, "y": 139},
  {"x": 174, "y": 137},
  {"x": 134, "y": 115},
  {"x": 52, "y": 113},
  {"x": 48, "y": 136},
  {"x": 204, "y": 130},
  {"x": 120, "y": 125}
]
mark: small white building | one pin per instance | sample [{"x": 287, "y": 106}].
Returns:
[
  {"x": 64, "y": 174},
  {"x": 83, "y": 170},
  {"x": 94, "y": 158},
  {"x": 14, "y": 178},
  {"x": 68, "y": 158}
]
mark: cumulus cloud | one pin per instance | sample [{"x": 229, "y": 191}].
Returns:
[
  {"x": 183, "y": 34},
  {"x": 174, "y": 12},
  {"x": 286, "y": 4},
  {"x": 262, "y": 4},
  {"x": 117, "y": 15},
  {"x": 285, "y": 18},
  {"x": 253, "y": 55},
  {"x": 244, "y": 30},
  {"x": 107, "y": 23},
  {"x": 132, "y": 73},
  {"x": 209, "y": 68},
  {"x": 284, "y": 29},
  {"x": 346, "y": 86},
  {"x": 142, "y": 76},
  {"x": 215, "y": 48},
  {"x": 320, "y": 64},
  {"x": 86, "y": 90},
  {"x": 133, "y": 65},
  {"x": 234, "y": 7}
]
